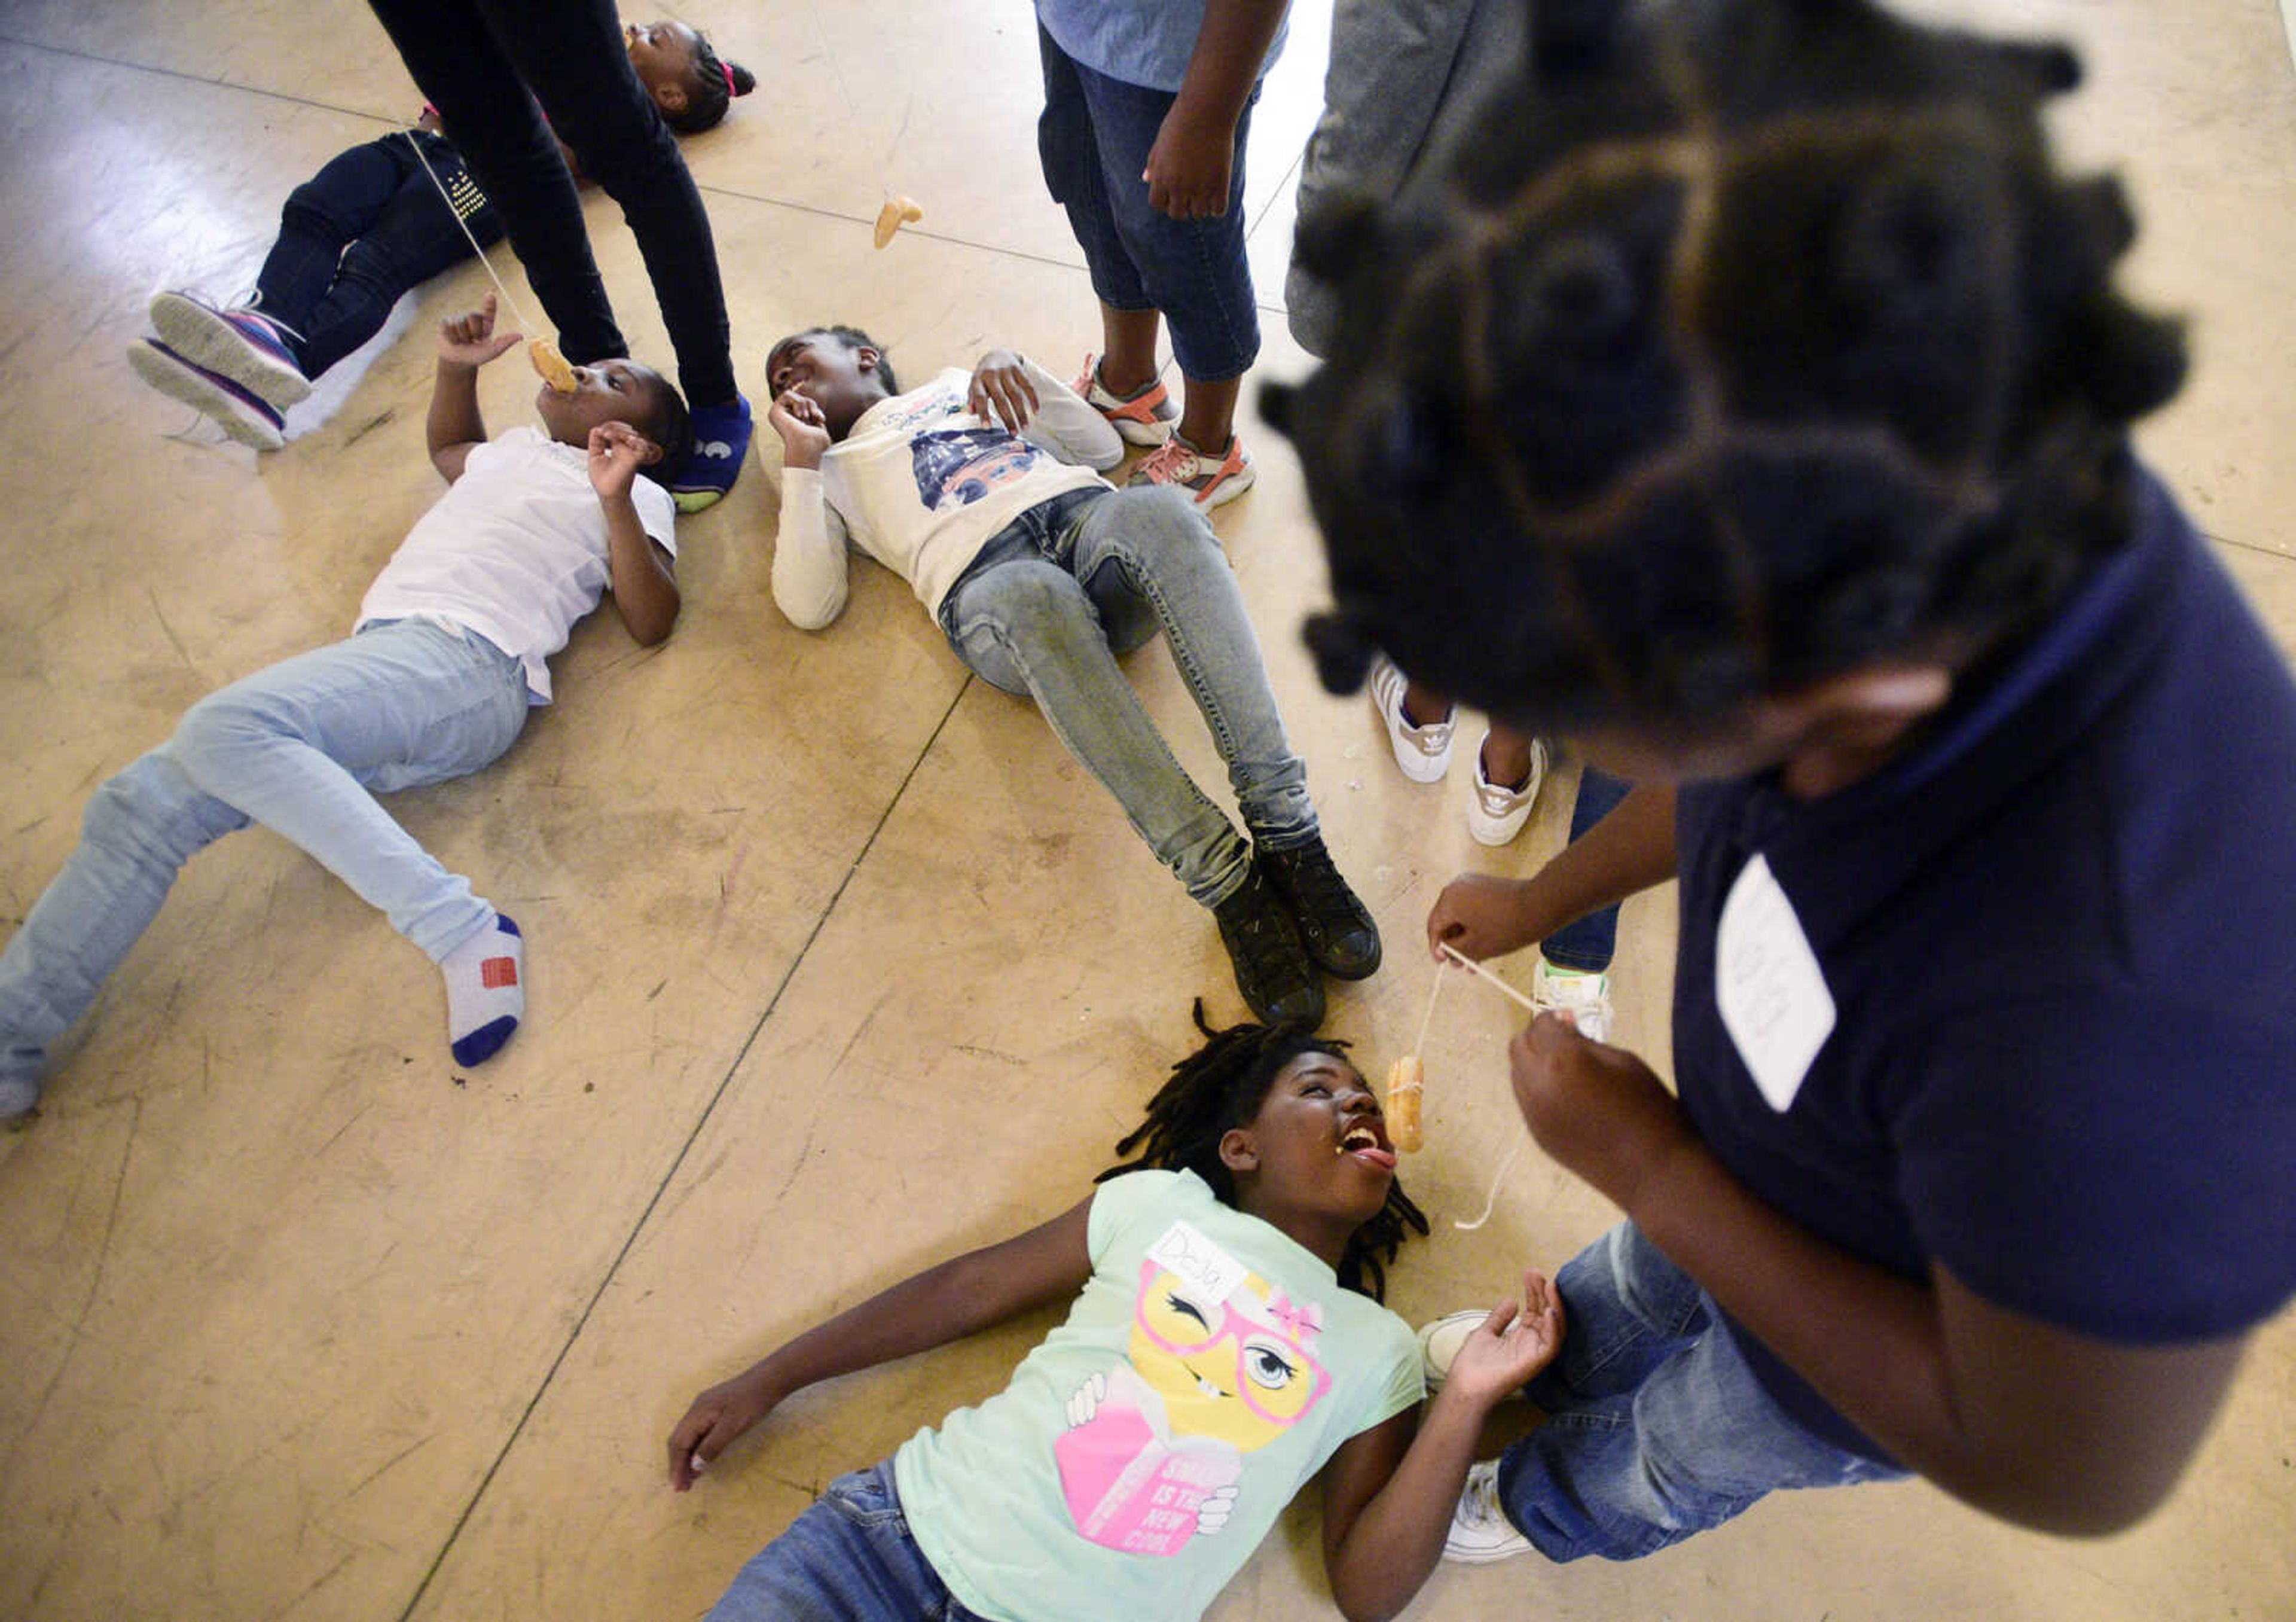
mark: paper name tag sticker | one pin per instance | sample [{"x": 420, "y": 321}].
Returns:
[
  {"x": 1772, "y": 994},
  {"x": 1198, "y": 1262}
]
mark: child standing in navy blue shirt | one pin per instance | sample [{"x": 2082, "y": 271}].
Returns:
[
  {"x": 1764, "y": 428},
  {"x": 1147, "y": 109}
]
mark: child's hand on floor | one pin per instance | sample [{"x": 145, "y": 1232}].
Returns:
[
  {"x": 711, "y": 1422},
  {"x": 1510, "y": 1345},
  {"x": 472, "y": 341},
  {"x": 1001, "y": 388},
  {"x": 617, "y": 452}
]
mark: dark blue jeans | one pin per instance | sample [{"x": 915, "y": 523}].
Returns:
[
  {"x": 1659, "y": 1429},
  {"x": 1094, "y": 140},
  {"x": 361, "y": 233},
  {"x": 1589, "y": 943},
  {"x": 471, "y": 57},
  {"x": 848, "y": 1559}
]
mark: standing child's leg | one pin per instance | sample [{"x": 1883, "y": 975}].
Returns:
[
  {"x": 1150, "y": 547},
  {"x": 1120, "y": 383},
  {"x": 571, "y": 52},
  {"x": 1094, "y": 140},
  {"x": 1510, "y": 764},
  {"x": 1574, "y": 962},
  {"x": 466, "y": 73}
]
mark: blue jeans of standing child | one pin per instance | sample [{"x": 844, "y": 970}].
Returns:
[
  {"x": 848, "y": 1558},
  {"x": 1076, "y": 580},
  {"x": 365, "y": 229},
  {"x": 302, "y": 747},
  {"x": 1588, "y": 944},
  {"x": 1092, "y": 141},
  {"x": 1658, "y": 1428}
]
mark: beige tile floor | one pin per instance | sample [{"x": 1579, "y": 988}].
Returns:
[{"x": 839, "y": 963}]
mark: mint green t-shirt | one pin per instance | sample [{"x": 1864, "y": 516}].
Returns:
[{"x": 1208, "y": 1371}]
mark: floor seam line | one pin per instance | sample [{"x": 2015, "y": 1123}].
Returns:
[{"x": 678, "y": 1161}]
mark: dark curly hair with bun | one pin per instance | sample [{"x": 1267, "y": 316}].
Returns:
[
  {"x": 1745, "y": 342},
  {"x": 716, "y": 82}
]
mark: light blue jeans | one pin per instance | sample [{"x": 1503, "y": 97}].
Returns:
[
  {"x": 1074, "y": 581},
  {"x": 302, "y": 747},
  {"x": 848, "y": 1558},
  {"x": 1659, "y": 1429}
]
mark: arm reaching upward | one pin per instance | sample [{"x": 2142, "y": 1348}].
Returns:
[{"x": 465, "y": 343}]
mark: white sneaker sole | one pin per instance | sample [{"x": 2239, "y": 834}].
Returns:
[
  {"x": 1146, "y": 436},
  {"x": 204, "y": 338},
  {"x": 177, "y": 381},
  {"x": 1227, "y": 489}
]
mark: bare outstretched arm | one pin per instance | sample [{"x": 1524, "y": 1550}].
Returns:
[{"x": 942, "y": 1304}]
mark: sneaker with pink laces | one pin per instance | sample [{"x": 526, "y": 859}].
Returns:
[
  {"x": 1211, "y": 481},
  {"x": 1143, "y": 418}
]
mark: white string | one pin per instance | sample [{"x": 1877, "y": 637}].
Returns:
[
  {"x": 516, "y": 313},
  {"x": 1464, "y": 961},
  {"x": 1420, "y": 1047},
  {"x": 1491, "y": 1200}
]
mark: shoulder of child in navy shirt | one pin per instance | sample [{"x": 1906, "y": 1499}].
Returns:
[{"x": 2058, "y": 942}]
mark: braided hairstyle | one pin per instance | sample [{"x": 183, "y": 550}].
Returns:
[
  {"x": 716, "y": 82},
  {"x": 1746, "y": 343},
  {"x": 1221, "y": 1086}
]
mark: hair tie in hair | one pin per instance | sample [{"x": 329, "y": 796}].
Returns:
[{"x": 726, "y": 69}]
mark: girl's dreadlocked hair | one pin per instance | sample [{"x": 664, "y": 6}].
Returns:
[
  {"x": 1745, "y": 341},
  {"x": 715, "y": 84},
  {"x": 1220, "y": 1086}
]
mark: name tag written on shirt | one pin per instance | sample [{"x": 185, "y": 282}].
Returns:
[
  {"x": 1772, "y": 995},
  {"x": 1197, "y": 1261}
]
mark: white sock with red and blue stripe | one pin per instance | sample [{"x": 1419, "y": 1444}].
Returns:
[{"x": 486, "y": 991}]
